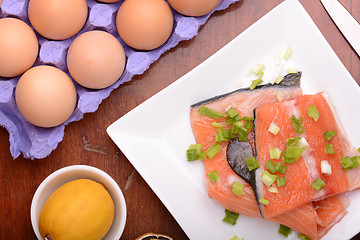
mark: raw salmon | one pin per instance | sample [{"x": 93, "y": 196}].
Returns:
[
  {"x": 304, "y": 171},
  {"x": 312, "y": 219}
]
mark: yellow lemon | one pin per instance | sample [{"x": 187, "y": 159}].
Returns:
[{"x": 80, "y": 209}]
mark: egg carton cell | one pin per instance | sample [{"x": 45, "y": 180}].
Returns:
[{"x": 37, "y": 142}]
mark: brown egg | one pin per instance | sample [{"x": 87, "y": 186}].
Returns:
[
  {"x": 18, "y": 47},
  {"x": 45, "y": 96},
  {"x": 108, "y": 1},
  {"x": 96, "y": 59},
  {"x": 144, "y": 24},
  {"x": 58, "y": 19},
  {"x": 194, "y": 7}
]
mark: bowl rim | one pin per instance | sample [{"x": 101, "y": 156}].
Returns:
[{"x": 86, "y": 168}]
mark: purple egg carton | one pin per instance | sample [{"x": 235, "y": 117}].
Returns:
[{"x": 36, "y": 142}]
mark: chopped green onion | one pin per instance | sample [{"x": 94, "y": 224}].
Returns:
[
  {"x": 248, "y": 119},
  {"x": 348, "y": 163},
  {"x": 313, "y": 112},
  {"x": 216, "y": 124},
  {"x": 275, "y": 153},
  {"x": 292, "y": 154},
  {"x": 284, "y": 230},
  {"x": 238, "y": 188},
  {"x": 325, "y": 167},
  {"x": 318, "y": 184},
  {"x": 264, "y": 201},
  {"x": 292, "y": 70},
  {"x": 191, "y": 155},
  {"x": 273, "y": 129},
  {"x": 279, "y": 80},
  {"x": 303, "y": 237},
  {"x": 194, "y": 152},
  {"x": 252, "y": 163},
  {"x": 258, "y": 69},
  {"x": 293, "y": 141},
  {"x": 239, "y": 124},
  {"x": 230, "y": 217},
  {"x": 237, "y": 118},
  {"x": 297, "y": 124},
  {"x": 210, "y": 113},
  {"x": 288, "y": 53},
  {"x": 329, "y": 148},
  {"x": 268, "y": 178},
  {"x": 242, "y": 134},
  {"x": 222, "y": 135},
  {"x": 281, "y": 168},
  {"x": 255, "y": 82},
  {"x": 232, "y": 113},
  {"x": 280, "y": 181},
  {"x": 236, "y": 238},
  {"x": 213, "y": 150},
  {"x": 271, "y": 166},
  {"x": 229, "y": 121},
  {"x": 249, "y": 122},
  {"x": 273, "y": 189},
  {"x": 329, "y": 135},
  {"x": 214, "y": 176}
]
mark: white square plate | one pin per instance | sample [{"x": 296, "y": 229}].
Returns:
[{"x": 155, "y": 135}]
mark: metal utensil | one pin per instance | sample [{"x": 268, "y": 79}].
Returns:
[{"x": 347, "y": 24}]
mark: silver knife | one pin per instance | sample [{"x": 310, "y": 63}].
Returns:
[{"x": 347, "y": 24}]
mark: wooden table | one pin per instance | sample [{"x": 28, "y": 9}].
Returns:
[{"x": 86, "y": 141}]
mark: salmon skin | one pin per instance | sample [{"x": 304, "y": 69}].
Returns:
[
  {"x": 290, "y": 81},
  {"x": 302, "y": 173},
  {"x": 312, "y": 219}
]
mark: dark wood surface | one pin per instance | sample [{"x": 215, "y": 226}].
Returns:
[{"x": 86, "y": 141}]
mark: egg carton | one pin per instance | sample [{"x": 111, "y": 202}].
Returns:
[{"x": 37, "y": 142}]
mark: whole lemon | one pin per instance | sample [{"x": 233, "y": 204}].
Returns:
[{"x": 80, "y": 209}]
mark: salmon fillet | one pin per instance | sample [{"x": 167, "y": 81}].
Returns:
[
  {"x": 313, "y": 219},
  {"x": 302, "y": 173}
]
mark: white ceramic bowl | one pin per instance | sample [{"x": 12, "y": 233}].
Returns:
[{"x": 67, "y": 174}]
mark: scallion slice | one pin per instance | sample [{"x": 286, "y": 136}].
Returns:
[
  {"x": 297, "y": 124},
  {"x": 237, "y": 188},
  {"x": 329, "y": 135},
  {"x": 271, "y": 166},
  {"x": 237, "y": 118},
  {"x": 292, "y": 154},
  {"x": 281, "y": 168},
  {"x": 210, "y": 113},
  {"x": 232, "y": 113},
  {"x": 255, "y": 82},
  {"x": 229, "y": 121},
  {"x": 252, "y": 163},
  {"x": 325, "y": 167},
  {"x": 273, "y": 189},
  {"x": 280, "y": 181},
  {"x": 216, "y": 124},
  {"x": 318, "y": 184},
  {"x": 329, "y": 148},
  {"x": 275, "y": 153},
  {"x": 273, "y": 129},
  {"x": 239, "y": 124},
  {"x": 242, "y": 134},
  {"x": 264, "y": 201},
  {"x": 288, "y": 53},
  {"x": 313, "y": 112},
  {"x": 268, "y": 178},
  {"x": 213, "y": 150},
  {"x": 348, "y": 163},
  {"x": 279, "y": 80},
  {"x": 230, "y": 217},
  {"x": 303, "y": 237},
  {"x": 284, "y": 230},
  {"x": 194, "y": 152},
  {"x": 214, "y": 176}
]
